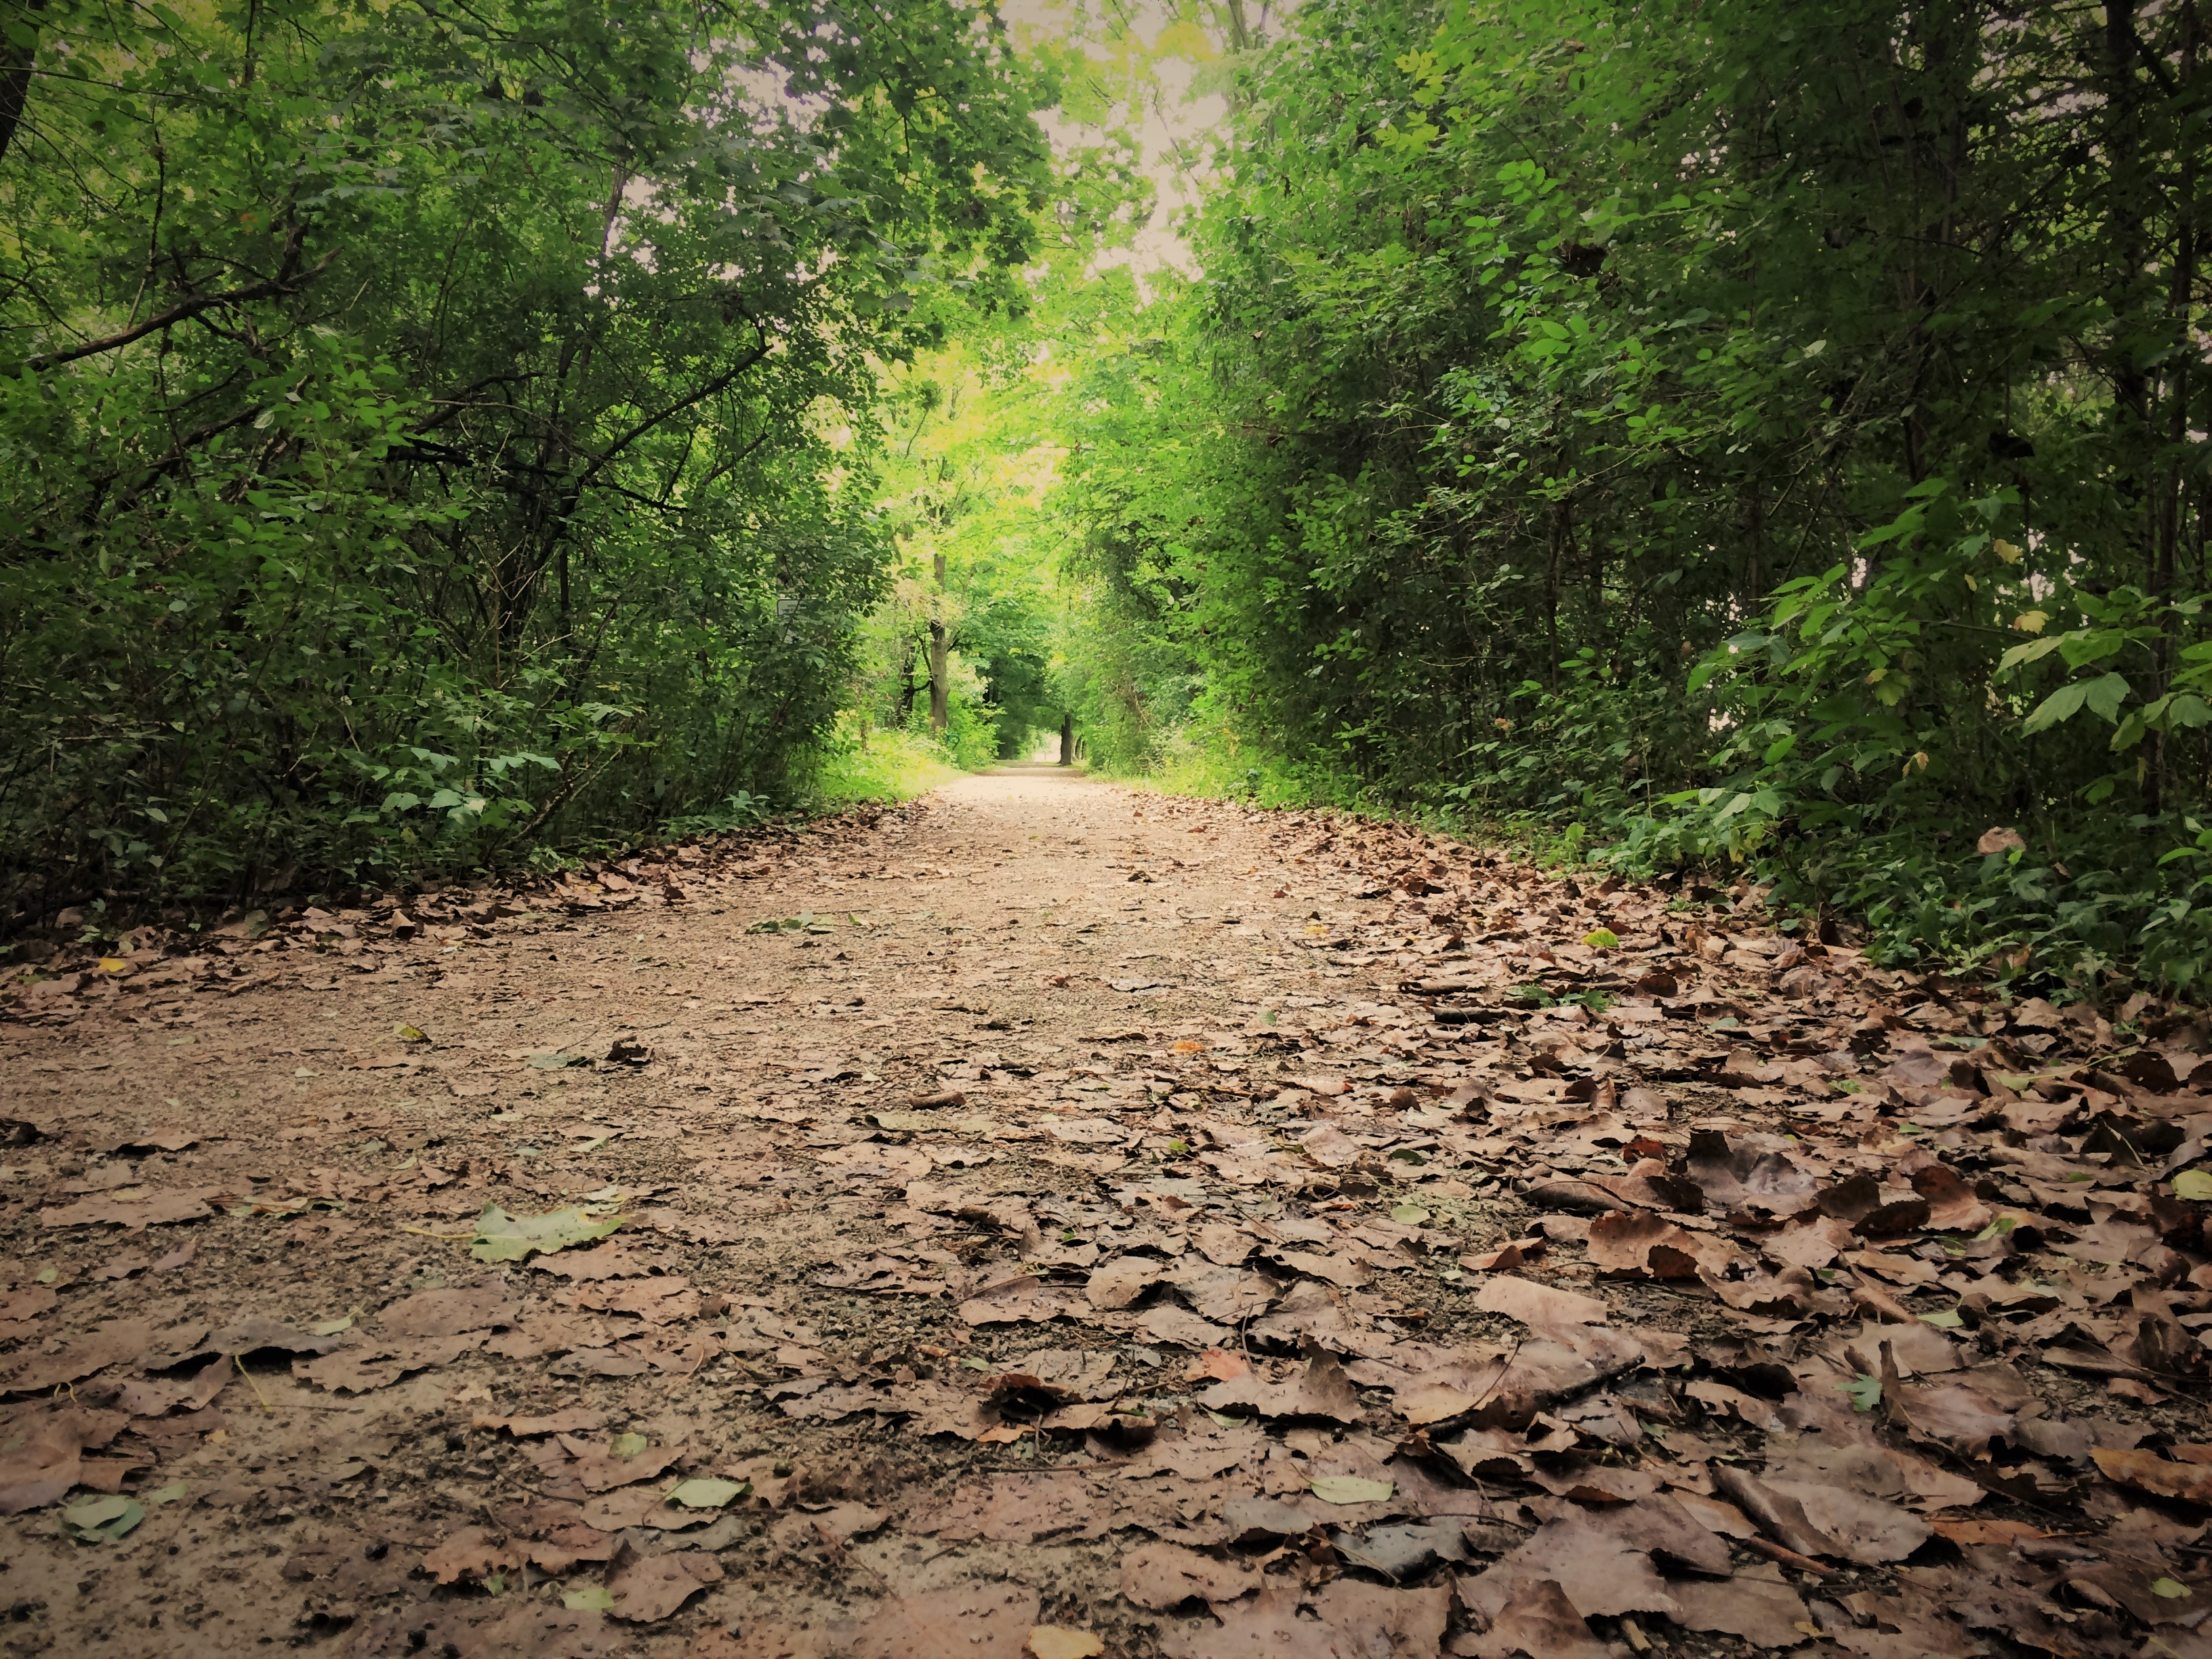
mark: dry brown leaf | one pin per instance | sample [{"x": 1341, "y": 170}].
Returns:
[
  {"x": 79, "y": 1357},
  {"x": 357, "y": 1371},
  {"x": 574, "y": 1419},
  {"x": 449, "y": 1312},
  {"x": 975, "y": 1621},
  {"x": 476, "y": 1552},
  {"x": 1533, "y": 1304},
  {"x": 161, "y": 1209},
  {"x": 653, "y": 1587},
  {"x": 1778, "y": 1515},
  {"x": 1755, "y": 1604},
  {"x": 1866, "y": 1529},
  {"x": 1536, "y": 1621},
  {"x": 1019, "y": 1508},
  {"x": 1162, "y": 1577},
  {"x": 44, "y": 1457},
  {"x": 658, "y": 1301},
  {"x": 1636, "y": 1244},
  {"x": 1318, "y": 1389},
  {"x": 1264, "y": 1626},
  {"x": 1599, "y": 1572},
  {"x": 2190, "y": 1483}
]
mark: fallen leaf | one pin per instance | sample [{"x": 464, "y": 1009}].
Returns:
[
  {"x": 1533, "y": 1304},
  {"x": 1351, "y": 1489},
  {"x": 1638, "y": 1243},
  {"x": 651, "y": 1587},
  {"x": 1755, "y": 1604},
  {"x": 101, "y": 1520},
  {"x": 2191, "y": 1483},
  {"x": 973, "y": 1622},
  {"x": 1161, "y": 1577},
  {"x": 1599, "y": 1574},
  {"x": 476, "y": 1552},
  {"x": 1318, "y": 1389},
  {"x": 502, "y": 1237},
  {"x": 1536, "y": 1621},
  {"x": 447, "y": 1312},
  {"x": 575, "y": 1420},
  {"x": 705, "y": 1493}
]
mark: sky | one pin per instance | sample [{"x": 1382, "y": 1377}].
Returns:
[{"x": 1176, "y": 125}]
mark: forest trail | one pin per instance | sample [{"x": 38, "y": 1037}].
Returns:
[{"x": 1055, "y": 1220}]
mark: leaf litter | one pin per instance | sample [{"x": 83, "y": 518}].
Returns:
[{"x": 1439, "y": 1255}]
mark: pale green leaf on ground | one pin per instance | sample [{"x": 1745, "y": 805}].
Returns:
[
  {"x": 101, "y": 1520},
  {"x": 705, "y": 1493},
  {"x": 1352, "y": 1489},
  {"x": 503, "y": 1237}
]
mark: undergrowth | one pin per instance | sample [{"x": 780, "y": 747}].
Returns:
[{"x": 2061, "y": 916}]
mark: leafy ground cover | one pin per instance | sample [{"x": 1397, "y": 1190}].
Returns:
[{"x": 1047, "y": 1220}]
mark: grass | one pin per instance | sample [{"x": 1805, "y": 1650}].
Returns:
[{"x": 895, "y": 766}]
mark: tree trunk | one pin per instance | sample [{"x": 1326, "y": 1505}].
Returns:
[
  {"x": 938, "y": 711},
  {"x": 1067, "y": 739},
  {"x": 16, "y": 63}
]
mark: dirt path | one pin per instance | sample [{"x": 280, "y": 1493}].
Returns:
[{"x": 1162, "y": 1227}]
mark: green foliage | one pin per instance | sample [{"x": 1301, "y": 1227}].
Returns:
[
  {"x": 891, "y": 766},
  {"x": 427, "y": 434},
  {"x": 1623, "y": 421}
]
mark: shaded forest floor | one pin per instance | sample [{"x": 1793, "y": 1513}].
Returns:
[{"x": 1057, "y": 1220}]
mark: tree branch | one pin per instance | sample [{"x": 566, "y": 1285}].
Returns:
[
  {"x": 183, "y": 311},
  {"x": 601, "y": 461}
]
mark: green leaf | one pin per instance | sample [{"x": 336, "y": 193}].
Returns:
[
  {"x": 1602, "y": 939},
  {"x": 555, "y": 1062},
  {"x": 1949, "y": 1319},
  {"x": 2173, "y": 1589},
  {"x": 706, "y": 1492},
  {"x": 1352, "y": 1489},
  {"x": 2029, "y": 653},
  {"x": 592, "y": 1598},
  {"x": 2104, "y": 695},
  {"x": 2195, "y": 1185},
  {"x": 1865, "y": 1392},
  {"x": 2061, "y": 705},
  {"x": 502, "y": 1237},
  {"x": 1408, "y": 1215},
  {"x": 628, "y": 1445},
  {"x": 101, "y": 1520}
]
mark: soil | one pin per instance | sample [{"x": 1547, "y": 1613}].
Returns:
[{"x": 1053, "y": 1219}]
